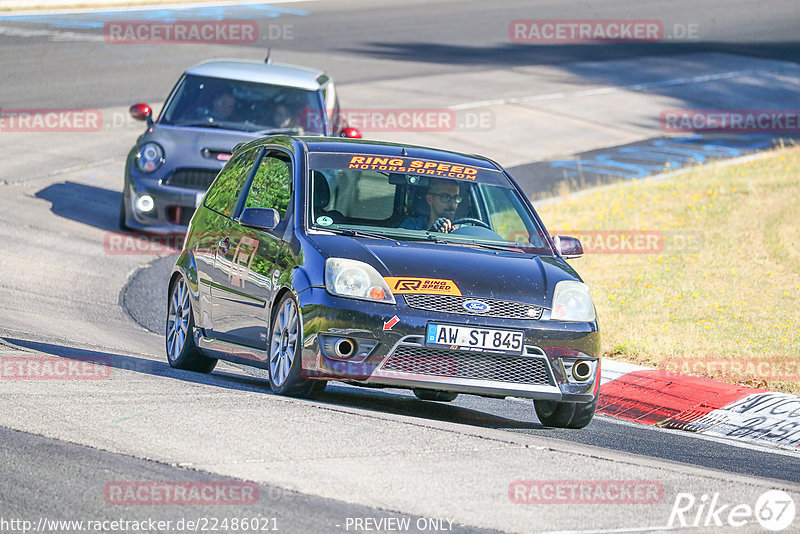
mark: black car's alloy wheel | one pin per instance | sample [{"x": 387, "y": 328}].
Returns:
[
  {"x": 565, "y": 414},
  {"x": 285, "y": 365},
  {"x": 182, "y": 352}
]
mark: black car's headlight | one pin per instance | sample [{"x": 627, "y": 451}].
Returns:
[
  {"x": 356, "y": 279},
  {"x": 149, "y": 157},
  {"x": 572, "y": 302}
]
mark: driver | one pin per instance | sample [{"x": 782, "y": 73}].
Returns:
[
  {"x": 443, "y": 197},
  {"x": 222, "y": 108}
]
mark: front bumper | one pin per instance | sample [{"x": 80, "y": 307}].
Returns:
[
  {"x": 173, "y": 206},
  {"x": 398, "y": 356}
]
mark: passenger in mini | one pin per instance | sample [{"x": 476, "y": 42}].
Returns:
[{"x": 442, "y": 197}]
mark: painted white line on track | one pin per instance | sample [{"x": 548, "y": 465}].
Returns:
[
  {"x": 726, "y": 441},
  {"x": 11, "y": 31},
  {"x": 733, "y": 442},
  {"x": 146, "y": 7},
  {"x": 615, "y": 530},
  {"x": 611, "y": 89},
  {"x": 718, "y": 164}
]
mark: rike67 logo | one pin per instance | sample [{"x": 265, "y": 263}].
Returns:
[{"x": 774, "y": 510}]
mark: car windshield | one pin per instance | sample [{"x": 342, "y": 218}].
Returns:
[
  {"x": 201, "y": 101},
  {"x": 407, "y": 199}
]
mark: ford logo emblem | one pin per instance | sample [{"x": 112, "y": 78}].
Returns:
[{"x": 476, "y": 306}]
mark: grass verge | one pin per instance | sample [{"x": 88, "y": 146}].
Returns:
[{"x": 697, "y": 273}]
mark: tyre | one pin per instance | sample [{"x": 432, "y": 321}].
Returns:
[
  {"x": 433, "y": 395},
  {"x": 565, "y": 414},
  {"x": 122, "y": 215},
  {"x": 182, "y": 352},
  {"x": 285, "y": 361}
]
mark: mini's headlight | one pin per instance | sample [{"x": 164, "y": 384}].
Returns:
[
  {"x": 149, "y": 157},
  {"x": 356, "y": 279},
  {"x": 572, "y": 302}
]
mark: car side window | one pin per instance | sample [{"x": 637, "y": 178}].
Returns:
[
  {"x": 272, "y": 185},
  {"x": 224, "y": 193},
  {"x": 506, "y": 209}
]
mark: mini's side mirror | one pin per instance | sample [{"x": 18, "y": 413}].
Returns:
[
  {"x": 568, "y": 247},
  {"x": 260, "y": 218},
  {"x": 350, "y": 132},
  {"x": 142, "y": 112}
]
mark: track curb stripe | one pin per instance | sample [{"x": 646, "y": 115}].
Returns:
[{"x": 696, "y": 404}]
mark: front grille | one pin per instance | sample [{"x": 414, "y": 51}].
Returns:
[
  {"x": 192, "y": 178},
  {"x": 179, "y": 214},
  {"x": 463, "y": 364},
  {"x": 503, "y": 309}
]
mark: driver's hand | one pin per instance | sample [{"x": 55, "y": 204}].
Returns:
[{"x": 442, "y": 224}]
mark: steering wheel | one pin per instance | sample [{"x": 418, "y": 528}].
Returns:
[{"x": 470, "y": 220}]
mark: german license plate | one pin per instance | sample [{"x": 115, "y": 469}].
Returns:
[{"x": 474, "y": 338}]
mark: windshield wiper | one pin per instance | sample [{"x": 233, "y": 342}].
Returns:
[
  {"x": 272, "y": 131},
  {"x": 496, "y": 246},
  {"x": 359, "y": 233}
]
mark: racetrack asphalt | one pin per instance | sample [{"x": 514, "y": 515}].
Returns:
[{"x": 60, "y": 289}]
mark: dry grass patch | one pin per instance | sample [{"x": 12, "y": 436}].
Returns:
[{"x": 723, "y": 304}]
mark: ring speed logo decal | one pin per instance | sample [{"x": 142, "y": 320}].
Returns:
[{"x": 422, "y": 285}]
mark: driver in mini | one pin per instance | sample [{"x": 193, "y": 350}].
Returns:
[{"x": 443, "y": 197}]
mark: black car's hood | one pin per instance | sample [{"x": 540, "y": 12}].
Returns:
[{"x": 476, "y": 272}]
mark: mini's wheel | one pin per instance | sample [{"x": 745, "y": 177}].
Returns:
[
  {"x": 182, "y": 352},
  {"x": 565, "y": 414},
  {"x": 434, "y": 395},
  {"x": 285, "y": 361}
]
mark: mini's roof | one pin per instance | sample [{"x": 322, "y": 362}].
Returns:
[{"x": 260, "y": 72}]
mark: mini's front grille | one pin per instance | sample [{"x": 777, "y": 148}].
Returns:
[
  {"x": 179, "y": 214},
  {"x": 192, "y": 178},
  {"x": 411, "y": 360},
  {"x": 503, "y": 309}
]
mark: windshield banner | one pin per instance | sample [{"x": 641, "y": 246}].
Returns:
[{"x": 406, "y": 165}]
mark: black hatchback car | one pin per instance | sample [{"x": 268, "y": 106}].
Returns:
[{"x": 383, "y": 265}]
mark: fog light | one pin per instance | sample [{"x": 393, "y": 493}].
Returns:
[{"x": 144, "y": 203}]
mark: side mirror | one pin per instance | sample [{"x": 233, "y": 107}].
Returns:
[
  {"x": 260, "y": 218},
  {"x": 352, "y": 133},
  {"x": 142, "y": 112},
  {"x": 569, "y": 247}
]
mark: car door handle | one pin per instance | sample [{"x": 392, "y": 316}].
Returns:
[{"x": 224, "y": 245}]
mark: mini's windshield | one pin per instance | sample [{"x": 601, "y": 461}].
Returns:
[
  {"x": 247, "y": 106},
  {"x": 413, "y": 199}
]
